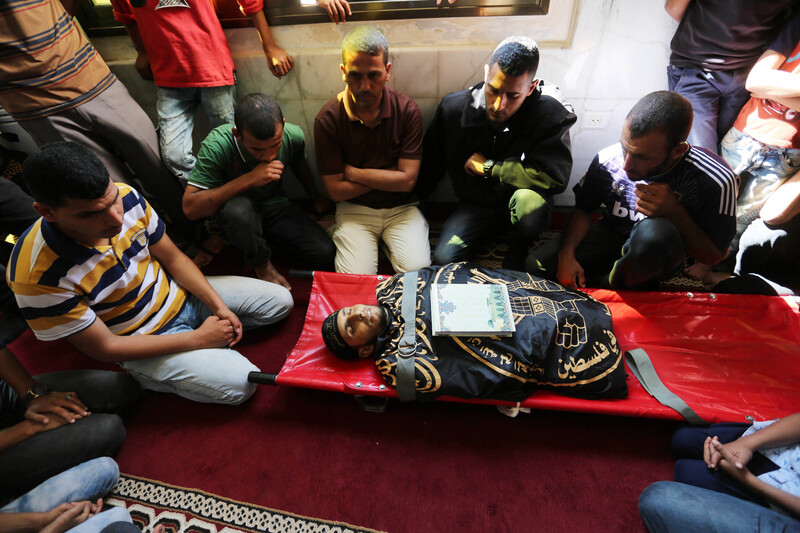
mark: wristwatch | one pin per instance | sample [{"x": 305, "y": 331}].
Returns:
[
  {"x": 487, "y": 168},
  {"x": 34, "y": 392}
]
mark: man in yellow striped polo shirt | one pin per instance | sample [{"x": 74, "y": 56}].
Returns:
[{"x": 100, "y": 251}]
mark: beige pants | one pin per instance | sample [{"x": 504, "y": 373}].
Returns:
[{"x": 359, "y": 229}]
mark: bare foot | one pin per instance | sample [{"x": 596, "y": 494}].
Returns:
[
  {"x": 214, "y": 244},
  {"x": 697, "y": 271},
  {"x": 202, "y": 258},
  {"x": 267, "y": 272}
]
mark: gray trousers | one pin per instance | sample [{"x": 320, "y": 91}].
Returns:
[{"x": 119, "y": 132}]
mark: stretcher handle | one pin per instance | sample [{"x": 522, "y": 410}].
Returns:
[
  {"x": 262, "y": 378},
  {"x": 302, "y": 274}
]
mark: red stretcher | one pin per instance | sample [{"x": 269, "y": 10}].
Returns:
[{"x": 731, "y": 358}]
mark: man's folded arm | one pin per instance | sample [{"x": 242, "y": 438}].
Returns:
[
  {"x": 202, "y": 203},
  {"x": 340, "y": 190},
  {"x": 401, "y": 179}
]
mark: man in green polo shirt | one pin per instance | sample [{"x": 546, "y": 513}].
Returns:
[{"x": 238, "y": 176}]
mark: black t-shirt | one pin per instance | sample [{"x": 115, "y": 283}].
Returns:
[{"x": 727, "y": 34}]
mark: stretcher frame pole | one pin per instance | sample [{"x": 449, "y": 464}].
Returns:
[{"x": 262, "y": 378}]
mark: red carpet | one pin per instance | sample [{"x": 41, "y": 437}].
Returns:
[{"x": 436, "y": 467}]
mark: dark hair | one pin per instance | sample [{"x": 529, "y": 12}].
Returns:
[
  {"x": 259, "y": 115},
  {"x": 368, "y": 40},
  {"x": 62, "y": 170},
  {"x": 516, "y": 55},
  {"x": 664, "y": 111}
]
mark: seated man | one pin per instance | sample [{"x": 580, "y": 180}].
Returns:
[
  {"x": 763, "y": 146},
  {"x": 239, "y": 174},
  {"x": 664, "y": 200},
  {"x": 731, "y": 477},
  {"x": 563, "y": 340},
  {"x": 98, "y": 270},
  {"x": 31, "y": 409},
  {"x": 70, "y": 501},
  {"x": 505, "y": 145},
  {"x": 369, "y": 146},
  {"x": 767, "y": 259}
]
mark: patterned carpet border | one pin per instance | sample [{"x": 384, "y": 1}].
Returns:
[{"x": 184, "y": 510}]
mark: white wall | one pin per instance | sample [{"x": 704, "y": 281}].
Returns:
[{"x": 604, "y": 54}]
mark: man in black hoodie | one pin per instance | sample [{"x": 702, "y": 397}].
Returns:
[{"x": 505, "y": 145}]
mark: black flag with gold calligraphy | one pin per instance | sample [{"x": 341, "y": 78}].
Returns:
[{"x": 564, "y": 341}]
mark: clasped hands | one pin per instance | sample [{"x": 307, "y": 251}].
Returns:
[
  {"x": 731, "y": 458},
  {"x": 220, "y": 329}
]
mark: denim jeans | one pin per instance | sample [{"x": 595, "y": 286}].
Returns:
[
  {"x": 214, "y": 375},
  {"x": 527, "y": 214},
  {"x": 114, "y": 520},
  {"x": 252, "y": 229},
  {"x": 87, "y": 481},
  {"x": 670, "y": 507},
  {"x": 34, "y": 460},
  {"x": 176, "y": 107},
  {"x": 716, "y": 97},
  {"x": 761, "y": 169}
]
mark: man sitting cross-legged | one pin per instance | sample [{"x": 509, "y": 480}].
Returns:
[
  {"x": 100, "y": 252},
  {"x": 239, "y": 173},
  {"x": 664, "y": 200}
]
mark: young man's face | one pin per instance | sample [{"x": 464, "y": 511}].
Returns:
[
  {"x": 89, "y": 222},
  {"x": 265, "y": 151},
  {"x": 648, "y": 155},
  {"x": 365, "y": 76},
  {"x": 360, "y": 325},
  {"x": 505, "y": 94}
]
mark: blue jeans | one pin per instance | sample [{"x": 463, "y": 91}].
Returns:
[
  {"x": 716, "y": 97},
  {"x": 214, "y": 375},
  {"x": 670, "y": 507},
  {"x": 527, "y": 214},
  {"x": 761, "y": 168},
  {"x": 87, "y": 481},
  {"x": 176, "y": 107},
  {"x": 34, "y": 460}
]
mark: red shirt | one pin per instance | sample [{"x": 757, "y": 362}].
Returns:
[{"x": 186, "y": 45}]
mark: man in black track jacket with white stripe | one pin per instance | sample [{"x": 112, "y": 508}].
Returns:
[{"x": 664, "y": 200}]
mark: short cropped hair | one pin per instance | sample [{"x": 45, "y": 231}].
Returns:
[
  {"x": 367, "y": 40},
  {"x": 516, "y": 55},
  {"x": 259, "y": 114},
  {"x": 663, "y": 111},
  {"x": 62, "y": 170}
]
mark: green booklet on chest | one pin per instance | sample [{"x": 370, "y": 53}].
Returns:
[{"x": 471, "y": 310}]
